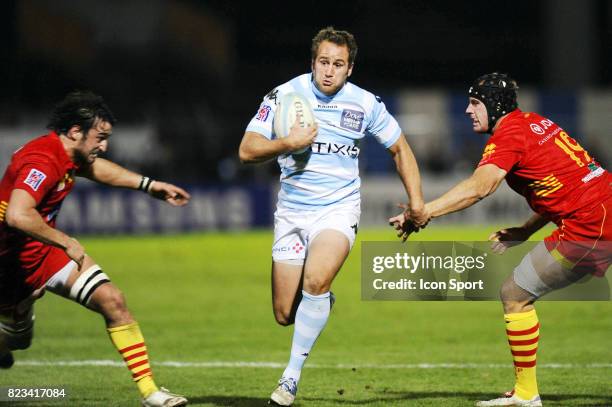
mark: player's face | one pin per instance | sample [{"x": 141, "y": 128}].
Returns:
[
  {"x": 331, "y": 68},
  {"x": 478, "y": 113},
  {"x": 95, "y": 142}
]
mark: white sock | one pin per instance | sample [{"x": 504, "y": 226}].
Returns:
[{"x": 310, "y": 319}]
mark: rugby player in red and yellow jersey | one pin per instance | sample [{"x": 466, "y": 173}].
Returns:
[
  {"x": 35, "y": 256},
  {"x": 563, "y": 184}
]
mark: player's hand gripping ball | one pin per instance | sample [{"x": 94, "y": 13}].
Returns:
[{"x": 290, "y": 106}]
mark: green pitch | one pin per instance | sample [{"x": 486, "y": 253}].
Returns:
[{"x": 205, "y": 298}]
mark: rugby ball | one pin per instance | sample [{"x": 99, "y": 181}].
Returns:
[{"x": 290, "y": 106}]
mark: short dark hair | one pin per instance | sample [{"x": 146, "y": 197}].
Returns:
[
  {"x": 338, "y": 37},
  {"x": 79, "y": 108}
]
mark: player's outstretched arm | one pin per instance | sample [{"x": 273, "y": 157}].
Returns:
[
  {"x": 408, "y": 171},
  {"x": 483, "y": 182},
  {"x": 109, "y": 173},
  {"x": 21, "y": 214},
  {"x": 505, "y": 238},
  {"x": 255, "y": 148}
]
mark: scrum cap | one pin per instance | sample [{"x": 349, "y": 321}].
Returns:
[{"x": 498, "y": 93}]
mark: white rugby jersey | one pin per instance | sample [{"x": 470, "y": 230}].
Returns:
[{"x": 328, "y": 172}]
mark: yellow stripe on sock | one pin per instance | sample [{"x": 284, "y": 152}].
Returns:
[
  {"x": 130, "y": 344},
  {"x": 524, "y": 327}
]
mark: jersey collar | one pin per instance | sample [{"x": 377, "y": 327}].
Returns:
[
  {"x": 65, "y": 159},
  {"x": 514, "y": 113},
  {"x": 322, "y": 96}
]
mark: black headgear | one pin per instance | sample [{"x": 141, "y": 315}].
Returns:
[{"x": 498, "y": 93}]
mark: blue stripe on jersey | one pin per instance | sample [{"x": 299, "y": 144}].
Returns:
[{"x": 329, "y": 173}]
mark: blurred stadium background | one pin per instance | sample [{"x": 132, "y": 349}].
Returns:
[{"x": 184, "y": 78}]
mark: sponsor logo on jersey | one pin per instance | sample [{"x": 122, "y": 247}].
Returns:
[
  {"x": 297, "y": 248},
  {"x": 488, "y": 151},
  {"x": 352, "y": 119},
  {"x": 326, "y": 107},
  {"x": 35, "y": 178},
  {"x": 595, "y": 172},
  {"x": 551, "y": 135},
  {"x": 273, "y": 96},
  {"x": 263, "y": 113},
  {"x": 335, "y": 148},
  {"x": 540, "y": 128},
  {"x": 536, "y": 129}
]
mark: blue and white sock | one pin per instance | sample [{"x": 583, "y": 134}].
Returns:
[{"x": 310, "y": 319}]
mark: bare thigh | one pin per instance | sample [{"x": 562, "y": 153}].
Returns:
[
  {"x": 286, "y": 291},
  {"x": 326, "y": 254}
]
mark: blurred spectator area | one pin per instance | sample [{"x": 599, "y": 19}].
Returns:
[
  {"x": 157, "y": 63},
  {"x": 184, "y": 77},
  {"x": 433, "y": 120},
  {"x": 441, "y": 135}
]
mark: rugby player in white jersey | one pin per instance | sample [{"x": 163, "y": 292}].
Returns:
[{"x": 318, "y": 208}]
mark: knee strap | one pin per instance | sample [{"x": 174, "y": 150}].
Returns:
[{"x": 86, "y": 284}]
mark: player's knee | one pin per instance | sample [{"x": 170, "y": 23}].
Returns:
[
  {"x": 513, "y": 300},
  {"x": 507, "y": 298},
  {"x": 110, "y": 302},
  {"x": 283, "y": 316},
  {"x": 316, "y": 285},
  {"x": 512, "y": 307},
  {"x": 283, "y": 320},
  {"x": 114, "y": 301},
  {"x": 505, "y": 292}
]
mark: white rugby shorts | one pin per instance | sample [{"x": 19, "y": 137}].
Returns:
[{"x": 294, "y": 229}]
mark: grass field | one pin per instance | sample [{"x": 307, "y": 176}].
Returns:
[{"x": 205, "y": 298}]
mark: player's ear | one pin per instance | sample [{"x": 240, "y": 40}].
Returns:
[
  {"x": 75, "y": 133},
  {"x": 350, "y": 70}
]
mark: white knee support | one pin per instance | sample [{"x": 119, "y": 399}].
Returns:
[
  {"x": 526, "y": 277},
  {"x": 86, "y": 284}
]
